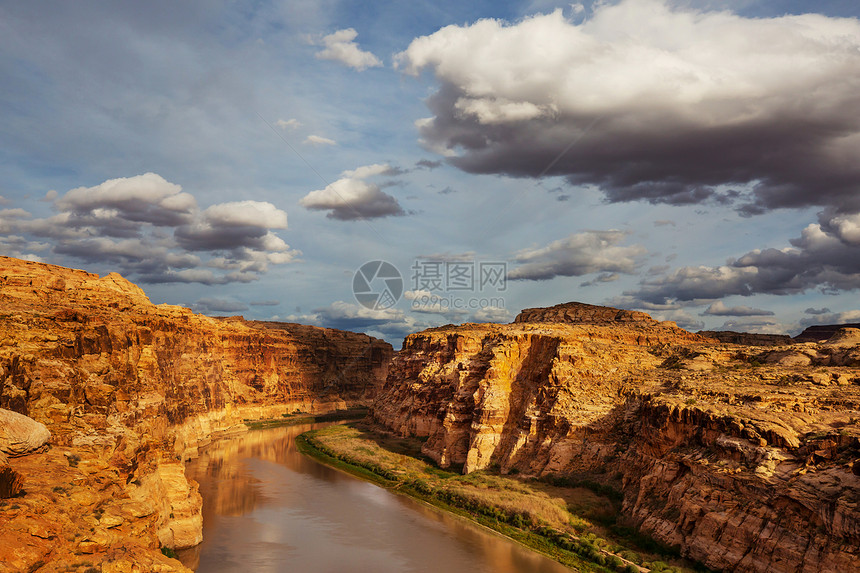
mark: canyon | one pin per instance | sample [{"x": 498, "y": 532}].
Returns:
[
  {"x": 128, "y": 391},
  {"x": 743, "y": 451},
  {"x": 744, "y": 457}
]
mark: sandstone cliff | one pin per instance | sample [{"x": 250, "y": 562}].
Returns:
[
  {"x": 128, "y": 391},
  {"x": 744, "y": 457}
]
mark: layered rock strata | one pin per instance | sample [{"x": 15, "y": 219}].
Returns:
[
  {"x": 128, "y": 391},
  {"x": 746, "y": 458}
]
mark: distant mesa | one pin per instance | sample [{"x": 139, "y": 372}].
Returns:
[
  {"x": 581, "y": 313},
  {"x": 823, "y": 332},
  {"x": 747, "y": 338}
]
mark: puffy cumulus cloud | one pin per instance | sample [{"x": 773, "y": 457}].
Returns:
[
  {"x": 672, "y": 105},
  {"x": 352, "y": 197},
  {"x": 318, "y": 140},
  {"x": 129, "y": 201},
  {"x": 150, "y": 230},
  {"x": 341, "y": 47},
  {"x": 823, "y": 258},
  {"x": 235, "y": 225},
  {"x": 842, "y": 225},
  {"x": 579, "y": 254},
  {"x": 718, "y": 308}
]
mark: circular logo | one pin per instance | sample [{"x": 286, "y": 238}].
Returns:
[{"x": 377, "y": 285}]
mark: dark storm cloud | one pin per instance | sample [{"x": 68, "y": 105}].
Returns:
[
  {"x": 690, "y": 108},
  {"x": 824, "y": 257}
]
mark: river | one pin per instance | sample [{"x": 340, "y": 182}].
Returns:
[{"x": 269, "y": 509}]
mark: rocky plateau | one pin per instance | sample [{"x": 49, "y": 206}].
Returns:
[
  {"x": 104, "y": 395},
  {"x": 743, "y": 456},
  {"x": 743, "y": 451}
]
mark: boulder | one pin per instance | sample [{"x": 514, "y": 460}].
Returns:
[{"x": 20, "y": 435}]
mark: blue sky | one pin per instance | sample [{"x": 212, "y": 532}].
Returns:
[{"x": 696, "y": 160}]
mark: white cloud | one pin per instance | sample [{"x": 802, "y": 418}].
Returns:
[
  {"x": 366, "y": 171},
  {"x": 291, "y": 123},
  {"x": 579, "y": 254},
  {"x": 351, "y": 197},
  {"x": 672, "y": 104},
  {"x": 341, "y": 47},
  {"x": 147, "y": 198},
  {"x": 150, "y": 230},
  {"x": 246, "y": 213},
  {"x": 317, "y": 140}
]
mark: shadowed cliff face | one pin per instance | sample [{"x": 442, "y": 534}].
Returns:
[
  {"x": 745, "y": 457},
  {"x": 129, "y": 389}
]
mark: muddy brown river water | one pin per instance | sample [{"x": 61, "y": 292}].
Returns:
[{"x": 269, "y": 509}]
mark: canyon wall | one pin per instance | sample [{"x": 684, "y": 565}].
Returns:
[
  {"x": 129, "y": 390},
  {"x": 745, "y": 457}
]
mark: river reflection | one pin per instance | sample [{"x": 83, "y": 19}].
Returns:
[{"x": 267, "y": 508}]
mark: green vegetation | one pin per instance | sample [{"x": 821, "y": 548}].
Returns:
[
  {"x": 305, "y": 418},
  {"x": 168, "y": 552},
  {"x": 571, "y": 521}
]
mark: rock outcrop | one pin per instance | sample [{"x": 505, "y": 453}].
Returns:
[
  {"x": 746, "y": 458},
  {"x": 822, "y": 332},
  {"x": 128, "y": 390}
]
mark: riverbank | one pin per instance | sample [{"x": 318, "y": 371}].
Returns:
[
  {"x": 296, "y": 418},
  {"x": 576, "y": 526}
]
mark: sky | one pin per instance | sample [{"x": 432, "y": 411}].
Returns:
[{"x": 697, "y": 160}]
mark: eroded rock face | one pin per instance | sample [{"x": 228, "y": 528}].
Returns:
[
  {"x": 129, "y": 389},
  {"x": 746, "y": 458}
]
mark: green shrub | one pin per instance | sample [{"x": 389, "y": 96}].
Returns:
[{"x": 168, "y": 552}]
